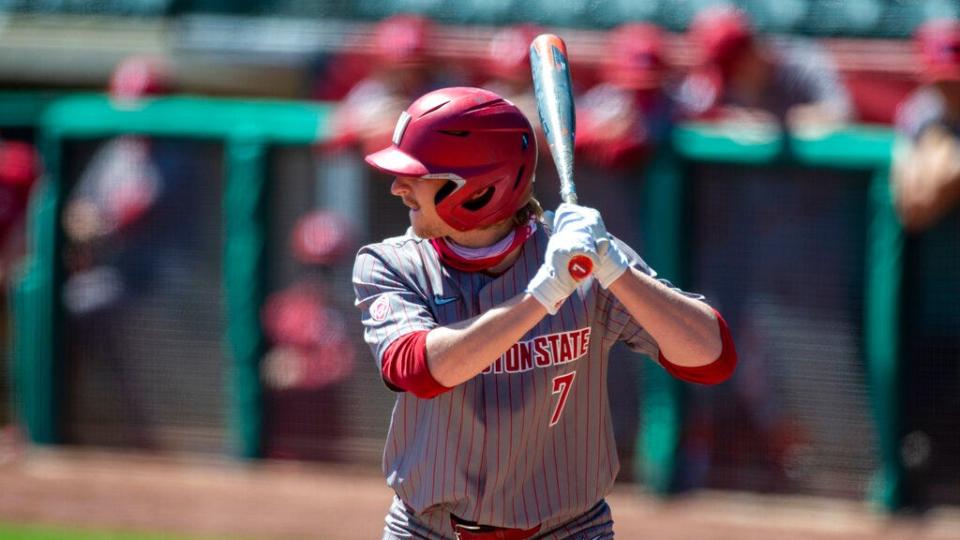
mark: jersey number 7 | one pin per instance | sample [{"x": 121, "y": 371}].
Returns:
[{"x": 561, "y": 385}]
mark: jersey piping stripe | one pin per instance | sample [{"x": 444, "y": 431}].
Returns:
[
  {"x": 407, "y": 320},
  {"x": 532, "y": 415}
]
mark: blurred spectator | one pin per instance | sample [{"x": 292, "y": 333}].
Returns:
[
  {"x": 310, "y": 348},
  {"x": 122, "y": 183},
  {"x": 19, "y": 171},
  {"x": 926, "y": 171},
  {"x": 115, "y": 254},
  {"x": 402, "y": 69},
  {"x": 749, "y": 81},
  {"x": 622, "y": 119},
  {"x": 743, "y": 78},
  {"x": 140, "y": 76},
  {"x": 507, "y": 69}
]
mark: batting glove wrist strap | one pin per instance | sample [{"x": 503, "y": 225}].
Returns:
[
  {"x": 553, "y": 282},
  {"x": 612, "y": 264},
  {"x": 549, "y": 289}
]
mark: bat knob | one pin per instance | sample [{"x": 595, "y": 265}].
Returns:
[{"x": 580, "y": 266}]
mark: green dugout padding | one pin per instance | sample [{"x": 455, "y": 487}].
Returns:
[
  {"x": 860, "y": 148},
  {"x": 247, "y": 128}
]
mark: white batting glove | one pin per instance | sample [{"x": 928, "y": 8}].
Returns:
[
  {"x": 552, "y": 283},
  {"x": 613, "y": 262},
  {"x": 580, "y": 220}
]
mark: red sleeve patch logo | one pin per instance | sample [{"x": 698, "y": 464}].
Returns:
[{"x": 380, "y": 308}]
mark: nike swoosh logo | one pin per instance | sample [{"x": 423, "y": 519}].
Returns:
[{"x": 440, "y": 300}]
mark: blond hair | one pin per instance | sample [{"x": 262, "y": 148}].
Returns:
[{"x": 531, "y": 210}]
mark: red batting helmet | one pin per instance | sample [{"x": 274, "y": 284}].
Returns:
[
  {"x": 481, "y": 143},
  {"x": 635, "y": 56},
  {"x": 938, "y": 42}
]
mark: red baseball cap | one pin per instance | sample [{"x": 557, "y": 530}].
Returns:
[
  {"x": 402, "y": 39},
  {"x": 938, "y": 44},
  {"x": 508, "y": 55},
  {"x": 140, "y": 76},
  {"x": 721, "y": 34},
  {"x": 19, "y": 163},
  {"x": 634, "y": 56}
]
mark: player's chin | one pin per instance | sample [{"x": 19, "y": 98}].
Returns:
[{"x": 423, "y": 229}]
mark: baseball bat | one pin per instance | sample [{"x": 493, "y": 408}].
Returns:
[{"x": 553, "y": 90}]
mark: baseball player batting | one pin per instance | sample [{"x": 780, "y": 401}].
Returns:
[{"x": 501, "y": 427}]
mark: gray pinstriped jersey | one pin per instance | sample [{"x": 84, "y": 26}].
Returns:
[{"x": 530, "y": 439}]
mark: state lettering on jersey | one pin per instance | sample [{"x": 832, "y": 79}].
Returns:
[{"x": 542, "y": 352}]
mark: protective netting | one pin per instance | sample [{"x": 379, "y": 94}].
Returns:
[
  {"x": 931, "y": 364},
  {"x": 323, "y": 397},
  {"x": 142, "y": 306},
  {"x": 780, "y": 252}
]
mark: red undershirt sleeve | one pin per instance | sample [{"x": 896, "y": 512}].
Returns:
[
  {"x": 713, "y": 373},
  {"x": 404, "y": 366}
]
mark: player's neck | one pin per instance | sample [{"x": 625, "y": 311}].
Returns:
[
  {"x": 505, "y": 264},
  {"x": 480, "y": 238}
]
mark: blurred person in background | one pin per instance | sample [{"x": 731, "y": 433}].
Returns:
[
  {"x": 926, "y": 169},
  {"x": 621, "y": 121},
  {"x": 506, "y": 68},
  {"x": 19, "y": 171},
  {"x": 115, "y": 253},
  {"x": 403, "y": 67},
  {"x": 310, "y": 350},
  {"x": 926, "y": 193},
  {"x": 745, "y": 79}
]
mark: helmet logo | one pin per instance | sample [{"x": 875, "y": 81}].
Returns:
[{"x": 402, "y": 123}]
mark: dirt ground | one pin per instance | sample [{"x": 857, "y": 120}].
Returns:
[{"x": 290, "y": 501}]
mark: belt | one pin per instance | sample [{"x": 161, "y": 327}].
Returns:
[{"x": 468, "y": 530}]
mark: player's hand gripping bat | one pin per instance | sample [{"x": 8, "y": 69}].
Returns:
[{"x": 554, "y": 95}]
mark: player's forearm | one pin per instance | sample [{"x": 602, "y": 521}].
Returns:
[
  {"x": 686, "y": 330},
  {"x": 458, "y": 352}
]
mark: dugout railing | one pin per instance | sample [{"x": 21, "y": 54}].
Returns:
[{"x": 248, "y": 129}]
